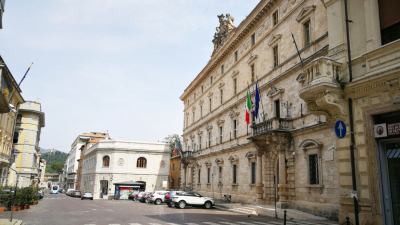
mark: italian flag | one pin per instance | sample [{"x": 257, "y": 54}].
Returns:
[{"x": 249, "y": 105}]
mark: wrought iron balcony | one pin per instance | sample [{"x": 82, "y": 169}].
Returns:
[{"x": 274, "y": 124}]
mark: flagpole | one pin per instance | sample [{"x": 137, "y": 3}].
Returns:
[{"x": 262, "y": 107}]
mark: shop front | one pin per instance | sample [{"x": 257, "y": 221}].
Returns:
[
  {"x": 124, "y": 189},
  {"x": 387, "y": 135}
]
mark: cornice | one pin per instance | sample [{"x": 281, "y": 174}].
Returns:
[{"x": 241, "y": 31}]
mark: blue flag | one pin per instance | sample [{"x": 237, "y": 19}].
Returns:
[{"x": 256, "y": 101}]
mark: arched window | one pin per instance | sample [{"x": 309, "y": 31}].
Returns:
[
  {"x": 141, "y": 162},
  {"x": 106, "y": 161}
]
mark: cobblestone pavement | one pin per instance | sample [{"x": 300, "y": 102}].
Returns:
[{"x": 63, "y": 210}]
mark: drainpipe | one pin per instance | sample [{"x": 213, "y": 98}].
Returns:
[{"x": 351, "y": 118}]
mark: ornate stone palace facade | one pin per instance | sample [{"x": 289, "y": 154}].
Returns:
[{"x": 291, "y": 152}]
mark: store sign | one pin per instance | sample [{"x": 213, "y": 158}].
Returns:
[
  {"x": 393, "y": 129},
  {"x": 386, "y": 130}
]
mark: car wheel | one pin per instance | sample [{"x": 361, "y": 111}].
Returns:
[
  {"x": 158, "y": 201},
  {"x": 208, "y": 205},
  {"x": 82, "y": 198},
  {"x": 182, "y": 204}
]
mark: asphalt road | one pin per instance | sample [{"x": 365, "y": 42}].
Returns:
[{"x": 63, "y": 210}]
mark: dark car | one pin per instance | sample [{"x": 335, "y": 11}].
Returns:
[{"x": 76, "y": 194}]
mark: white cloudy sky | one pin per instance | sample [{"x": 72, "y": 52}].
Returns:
[{"x": 116, "y": 65}]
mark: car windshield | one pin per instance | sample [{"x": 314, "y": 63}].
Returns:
[{"x": 55, "y": 188}]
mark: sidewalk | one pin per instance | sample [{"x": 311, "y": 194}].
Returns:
[
  {"x": 7, "y": 222},
  {"x": 269, "y": 210}
]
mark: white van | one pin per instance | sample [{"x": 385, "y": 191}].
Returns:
[{"x": 54, "y": 189}]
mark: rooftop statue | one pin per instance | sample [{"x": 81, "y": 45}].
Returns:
[{"x": 223, "y": 30}]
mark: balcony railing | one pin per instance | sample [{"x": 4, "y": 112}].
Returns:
[
  {"x": 320, "y": 70},
  {"x": 187, "y": 154},
  {"x": 274, "y": 124}
]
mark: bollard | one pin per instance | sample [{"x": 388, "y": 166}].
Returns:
[
  {"x": 347, "y": 220},
  {"x": 284, "y": 217}
]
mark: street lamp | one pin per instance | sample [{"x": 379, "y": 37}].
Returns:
[{"x": 14, "y": 195}]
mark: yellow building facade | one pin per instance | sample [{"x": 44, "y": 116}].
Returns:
[
  {"x": 30, "y": 121},
  {"x": 10, "y": 99}
]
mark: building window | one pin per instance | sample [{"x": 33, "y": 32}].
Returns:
[
  {"x": 275, "y": 18},
  {"x": 202, "y": 89},
  {"x": 253, "y": 39},
  {"x": 211, "y": 79},
  {"x": 234, "y": 129},
  {"x": 236, "y": 56},
  {"x": 234, "y": 86},
  {"x": 198, "y": 176},
  {"x": 106, "y": 161},
  {"x": 200, "y": 142},
  {"x": 209, "y": 138},
  {"x": 253, "y": 173},
  {"x": 222, "y": 69},
  {"x": 220, "y": 134},
  {"x": 275, "y": 55},
  {"x": 389, "y": 18},
  {"x": 234, "y": 174},
  {"x": 277, "y": 108},
  {"x": 313, "y": 169},
  {"x": 16, "y": 136},
  {"x": 253, "y": 72},
  {"x": 208, "y": 175},
  {"x": 210, "y": 103},
  {"x": 201, "y": 111},
  {"x": 220, "y": 173},
  {"x": 307, "y": 33},
  {"x": 221, "y": 95},
  {"x": 141, "y": 162},
  {"x": 194, "y": 96}
]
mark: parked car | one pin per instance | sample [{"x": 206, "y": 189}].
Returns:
[
  {"x": 193, "y": 199},
  {"x": 169, "y": 196},
  {"x": 76, "y": 194},
  {"x": 132, "y": 195},
  {"x": 40, "y": 194},
  {"x": 70, "y": 192},
  {"x": 158, "y": 197},
  {"x": 141, "y": 196},
  {"x": 148, "y": 196},
  {"x": 87, "y": 195}
]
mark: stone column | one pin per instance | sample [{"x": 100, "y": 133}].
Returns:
[
  {"x": 282, "y": 186},
  {"x": 184, "y": 176},
  {"x": 259, "y": 181}
]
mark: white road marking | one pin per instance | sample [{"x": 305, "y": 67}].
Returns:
[
  {"x": 135, "y": 224},
  {"x": 229, "y": 223},
  {"x": 191, "y": 224},
  {"x": 211, "y": 223},
  {"x": 154, "y": 224}
]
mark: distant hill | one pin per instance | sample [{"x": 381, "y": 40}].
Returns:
[{"x": 55, "y": 160}]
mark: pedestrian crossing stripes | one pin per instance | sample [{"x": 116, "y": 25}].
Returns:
[{"x": 250, "y": 222}]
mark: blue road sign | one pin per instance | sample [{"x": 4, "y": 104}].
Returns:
[{"x": 340, "y": 129}]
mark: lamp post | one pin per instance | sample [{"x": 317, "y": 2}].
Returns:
[{"x": 14, "y": 194}]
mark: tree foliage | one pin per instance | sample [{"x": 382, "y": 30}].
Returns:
[{"x": 55, "y": 161}]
